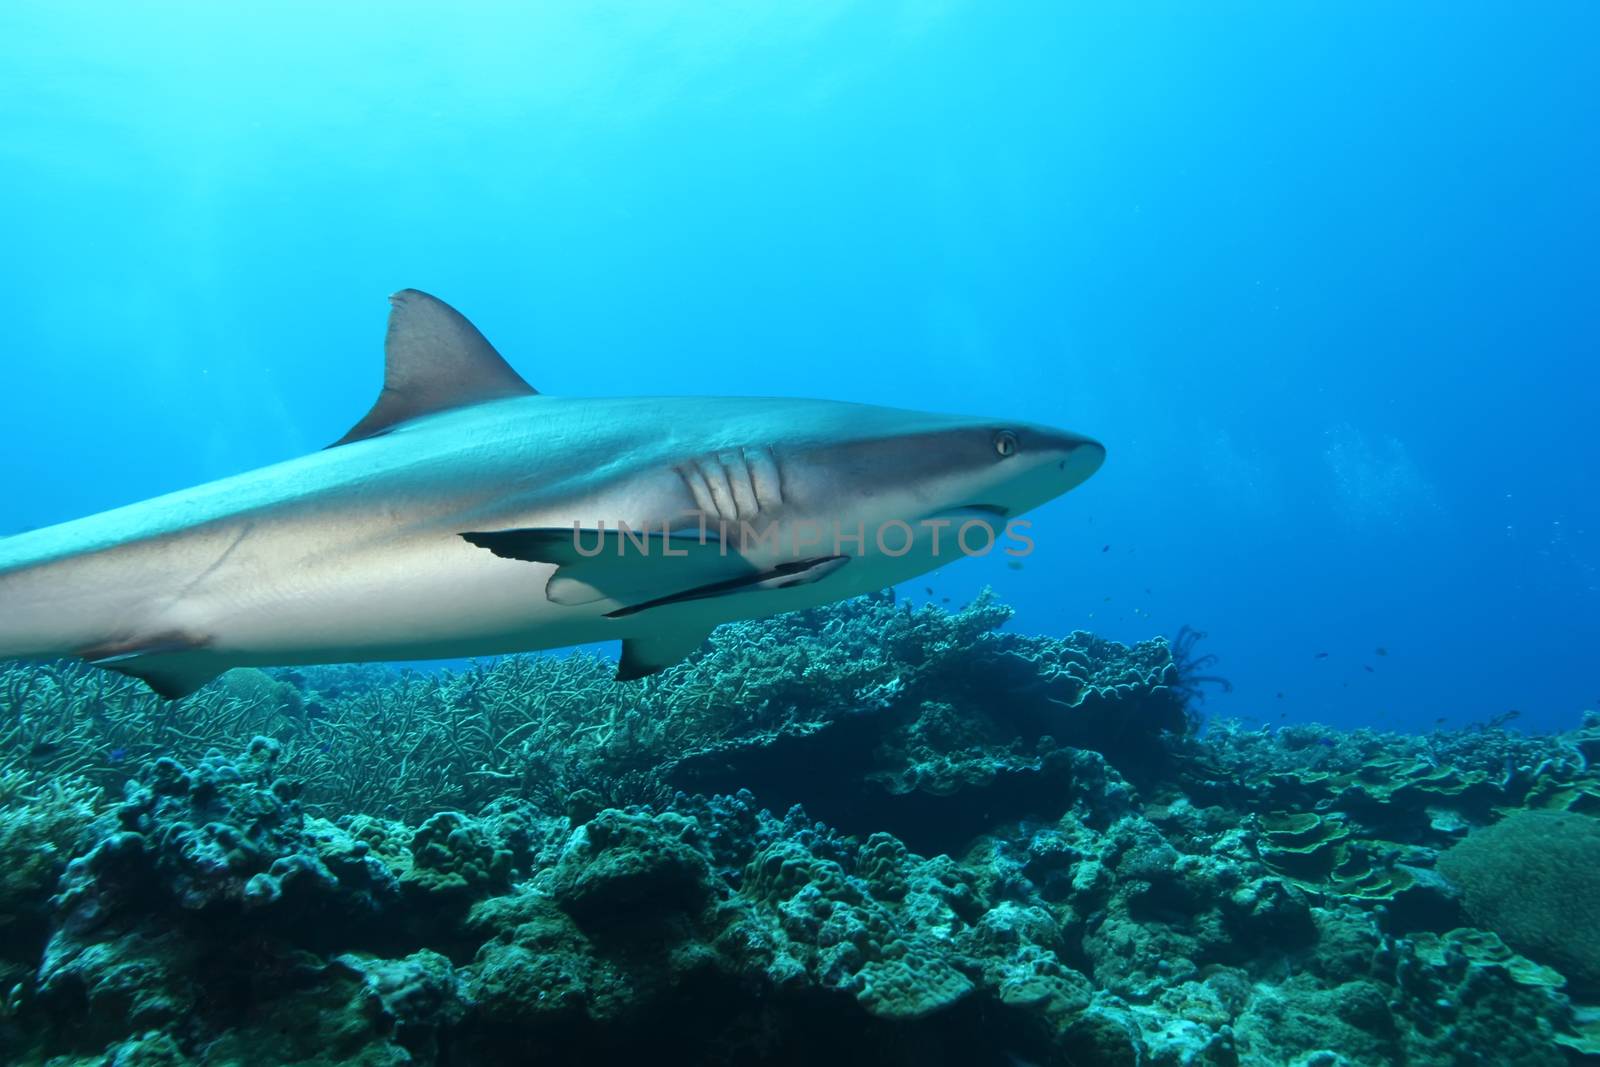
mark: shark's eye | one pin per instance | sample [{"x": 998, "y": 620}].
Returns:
[{"x": 1005, "y": 443}]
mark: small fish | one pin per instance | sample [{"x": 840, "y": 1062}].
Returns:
[
  {"x": 1105, "y": 548},
  {"x": 44, "y": 748},
  {"x": 1321, "y": 655},
  {"x": 1280, "y": 696},
  {"x": 1368, "y": 669},
  {"x": 1439, "y": 720},
  {"x": 1014, "y": 564},
  {"x": 1283, "y": 714},
  {"x": 928, "y": 589},
  {"x": 944, "y": 600},
  {"x": 117, "y": 755},
  {"x": 1382, "y": 651}
]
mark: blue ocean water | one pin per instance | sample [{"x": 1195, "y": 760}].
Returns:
[{"x": 1322, "y": 280}]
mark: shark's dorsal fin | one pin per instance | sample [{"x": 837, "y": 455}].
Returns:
[{"x": 433, "y": 360}]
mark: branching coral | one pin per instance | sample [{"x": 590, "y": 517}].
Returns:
[
  {"x": 545, "y": 728},
  {"x": 1025, "y": 854}
]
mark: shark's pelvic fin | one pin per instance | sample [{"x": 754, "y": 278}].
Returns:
[
  {"x": 434, "y": 360},
  {"x": 643, "y": 656}
]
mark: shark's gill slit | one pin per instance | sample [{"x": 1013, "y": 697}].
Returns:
[
  {"x": 690, "y": 473},
  {"x": 737, "y": 471},
  {"x": 716, "y": 478}
]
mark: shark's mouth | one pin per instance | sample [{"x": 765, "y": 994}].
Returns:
[{"x": 969, "y": 513}]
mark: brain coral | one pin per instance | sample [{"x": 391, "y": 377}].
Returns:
[{"x": 1534, "y": 879}]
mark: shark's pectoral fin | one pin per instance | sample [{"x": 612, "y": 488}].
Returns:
[
  {"x": 433, "y": 360},
  {"x": 643, "y": 656},
  {"x": 643, "y": 571},
  {"x": 170, "y": 675},
  {"x": 783, "y": 576},
  {"x": 566, "y": 547},
  {"x": 627, "y": 567}
]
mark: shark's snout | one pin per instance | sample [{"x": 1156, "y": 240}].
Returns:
[
  {"x": 1060, "y": 460},
  {"x": 1036, "y": 464},
  {"x": 1079, "y": 456}
]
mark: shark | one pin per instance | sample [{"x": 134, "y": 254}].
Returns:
[{"x": 468, "y": 515}]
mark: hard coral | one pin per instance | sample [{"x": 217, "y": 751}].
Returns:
[
  {"x": 452, "y": 854},
  {"x": 1534, "y": 879},
  {"x": 994, "y": 849}
]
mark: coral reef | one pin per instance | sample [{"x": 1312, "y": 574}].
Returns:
[
  {"x": 1534, "y": 878},
  {"x": 867, "y": 833}
]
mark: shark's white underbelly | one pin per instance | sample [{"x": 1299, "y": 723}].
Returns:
[
  {"x": 416, "y": 598},
  {"x": 321, "y": 588}
]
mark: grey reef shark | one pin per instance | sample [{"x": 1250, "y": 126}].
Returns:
[{"x": 468, "y": 515}]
